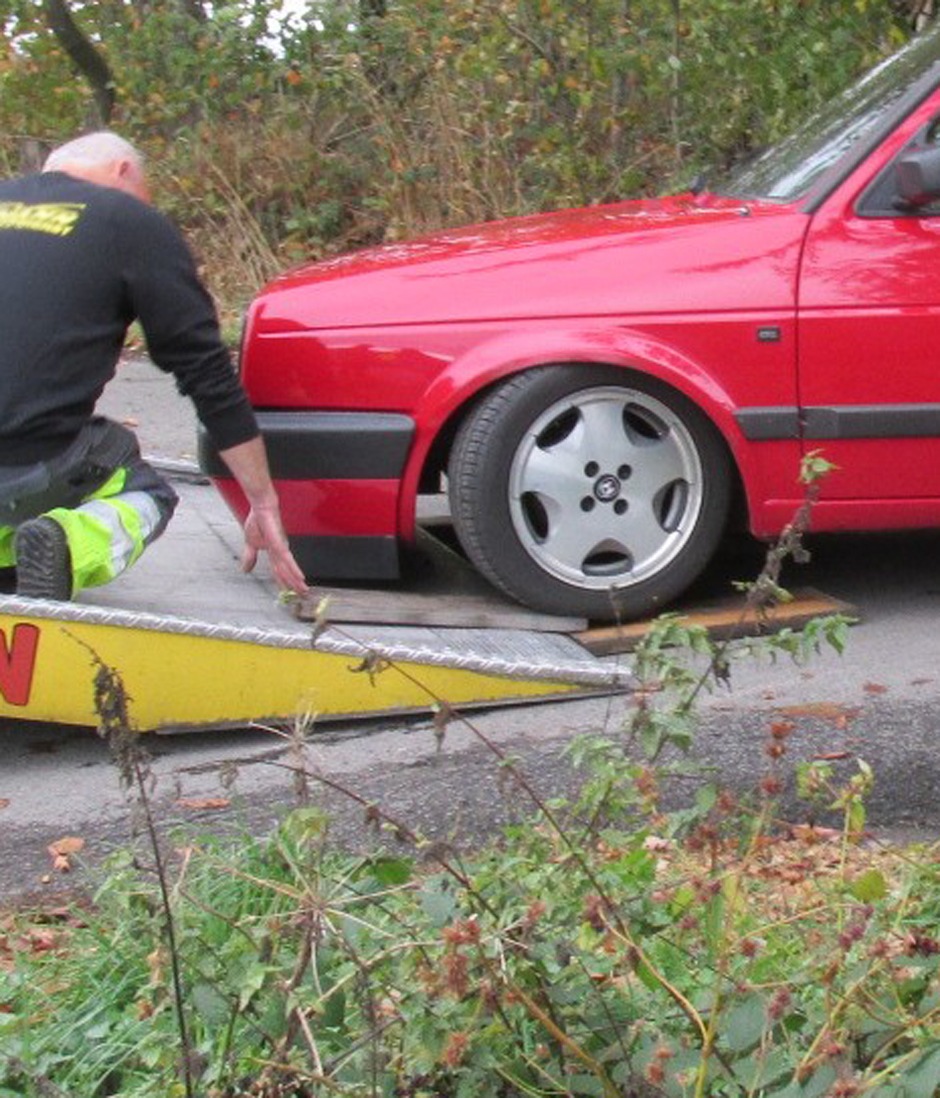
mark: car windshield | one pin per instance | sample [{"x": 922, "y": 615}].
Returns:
[{"x": 789, "y": 170}]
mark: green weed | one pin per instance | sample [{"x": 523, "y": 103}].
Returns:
[{"x": 607, "y": 947}]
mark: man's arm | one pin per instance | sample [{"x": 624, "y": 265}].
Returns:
[
  {"x": 181, "y": 326},
  {"x": 263, "y": 528}
]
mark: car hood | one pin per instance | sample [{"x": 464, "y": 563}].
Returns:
[{"x": 664, "y": 255}]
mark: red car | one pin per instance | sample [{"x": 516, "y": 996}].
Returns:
[{"x": 595, "y": 388}]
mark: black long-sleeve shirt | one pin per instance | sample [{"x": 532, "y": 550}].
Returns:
[{"x": 78, "y": 263}]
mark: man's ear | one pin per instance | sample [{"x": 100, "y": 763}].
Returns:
[{"x": 130, "y": 178}]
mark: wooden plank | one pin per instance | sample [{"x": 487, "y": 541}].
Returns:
[
  {"x": 721, "y": 619},
  {"x": 404, "y": 607},
  {"x": 443, "y": 590}
]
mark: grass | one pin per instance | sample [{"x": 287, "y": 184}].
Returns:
[{"x": 706, "y": 959}]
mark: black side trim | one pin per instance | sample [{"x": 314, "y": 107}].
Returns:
[
  {"x": 766, "y": 424},
  {"x": 844, "y": 421},
  {"x": 872, "y": 421},
  {"x": 327, "y": 445},
  {"x": 347, "y": 558}
]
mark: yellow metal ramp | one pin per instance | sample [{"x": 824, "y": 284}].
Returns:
[{"x": 199, "y": 645}]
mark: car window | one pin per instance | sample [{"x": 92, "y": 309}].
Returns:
[
  {"x": 832, "y": 141},
  {"x": 881, "y": 197}
]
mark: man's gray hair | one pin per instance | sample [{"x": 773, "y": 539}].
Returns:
[{"x": 103, "y": 147}]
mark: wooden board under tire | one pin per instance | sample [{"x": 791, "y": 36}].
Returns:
[
  {"x": 443, "y": 591},
  {"x": 722, "y": 619}
]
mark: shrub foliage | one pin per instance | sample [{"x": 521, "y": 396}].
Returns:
[
  {"x": 608, "y": 947},
  {"x": 277, "y": 137}
]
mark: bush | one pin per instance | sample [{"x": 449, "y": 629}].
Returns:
[
  {"x": 273, "y": 143},
  {"x": 605, "y": 948}
]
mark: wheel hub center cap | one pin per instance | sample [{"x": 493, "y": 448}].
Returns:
[{"x": 607, "y": 488}]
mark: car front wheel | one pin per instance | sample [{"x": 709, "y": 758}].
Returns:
[{"x": 588, "y": 490}]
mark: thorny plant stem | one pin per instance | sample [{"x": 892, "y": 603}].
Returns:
[
  {"x": 378, "y": 815},
  {"x": 540, "y": 1015},
  {"x": 619, "y": 928},
  {"x": 170, "y": 925},
  {"x": 762, "y": 592},
  {"x": 573, "y": 849},
  {"x": 112, "y": 706},
  {"x": 530, "y": 1004}
]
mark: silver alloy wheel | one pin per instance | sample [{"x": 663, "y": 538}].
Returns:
[{"x": 605, "y": 488}]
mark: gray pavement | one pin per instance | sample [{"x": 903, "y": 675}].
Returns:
[{"x": 145, "y": 399}]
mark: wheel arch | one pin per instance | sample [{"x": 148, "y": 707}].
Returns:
[{"x": 459, "y": 389}]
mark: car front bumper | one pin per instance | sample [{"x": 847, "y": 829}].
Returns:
[{"x": 337, "y": 475}]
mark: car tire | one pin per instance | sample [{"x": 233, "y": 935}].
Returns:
[{"x": 589, "y": 490}]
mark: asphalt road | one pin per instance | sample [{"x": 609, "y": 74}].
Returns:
[{"x": 879, "y": 700}]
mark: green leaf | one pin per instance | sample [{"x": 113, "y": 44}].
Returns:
[
  {"x": 855, "y": 817},
  {"x": 439, "y": 903},
  {"x": 391, "y": 872},
  {"x": 305, "y": 825},
  {"x": 252, "y": 981},
  {"x": 706, "y": 797},
  {"x": 210, "y": 1004},
  {"x": 745, "y": 1023},
  {"x": 923, "y": 1077},
  {"x": 869, "y": 886},
  {"x": 584, "y": 1084},
  {"x": 334, "y": 1010}
]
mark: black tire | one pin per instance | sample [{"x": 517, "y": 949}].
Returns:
[{"x": 589, "y": 490}]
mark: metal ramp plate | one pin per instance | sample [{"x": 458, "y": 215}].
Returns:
[{"x": 200, "y": 645}]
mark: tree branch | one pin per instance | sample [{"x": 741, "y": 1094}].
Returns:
[{"x": 89, "y": 61}]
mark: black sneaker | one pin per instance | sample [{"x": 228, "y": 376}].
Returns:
[{"x": 43, "y": 561}]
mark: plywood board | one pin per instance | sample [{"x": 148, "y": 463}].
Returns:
[
  {"x": 722, "y": 619},
  {"x": 442, "y": 590}
]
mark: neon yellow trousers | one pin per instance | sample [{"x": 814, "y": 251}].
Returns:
[{"x": 108, "y": 527}]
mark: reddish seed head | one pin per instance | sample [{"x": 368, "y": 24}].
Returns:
[
  {"x": 594, "y": 913},
  {"x": 455, "y": 1049},
  {"x": 655, "y": 1074},
  {"x": 455, "y": 975},
  {"x": 461, "y": 932},
  {"x": 535, "y": 912},
  {"x": 780, "y": 1004}
]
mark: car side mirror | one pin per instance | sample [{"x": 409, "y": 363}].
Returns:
[{"x": 918, "y": 178}]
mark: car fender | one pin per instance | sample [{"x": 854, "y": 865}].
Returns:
[{"x": 452, "y": 393}]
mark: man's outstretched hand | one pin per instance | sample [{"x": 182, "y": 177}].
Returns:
[{"x": 265, "y": 533}]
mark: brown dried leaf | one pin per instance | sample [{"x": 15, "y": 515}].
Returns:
[
  {"x": 61, "y": 852},
  {"x": 201, "y": 803},
  {"x": 70, "y": 844},
  {"x": 812, "y": 833},
  {"x": 823, "y": 710}
]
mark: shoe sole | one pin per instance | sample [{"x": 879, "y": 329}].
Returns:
[{"x": 43, "y": 562}]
